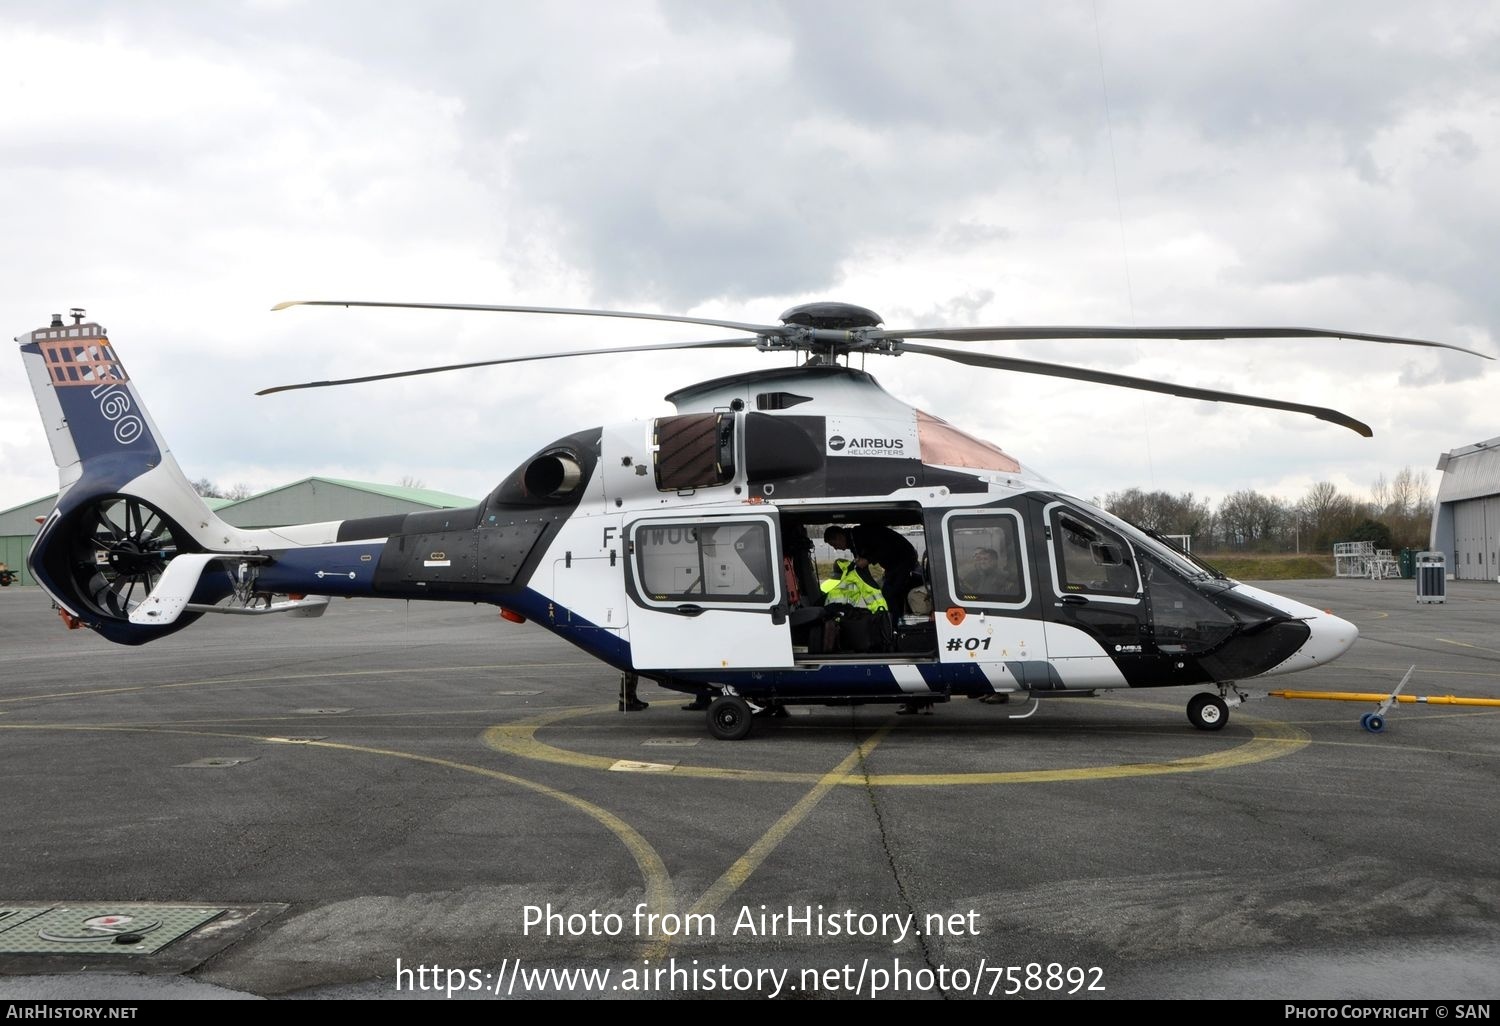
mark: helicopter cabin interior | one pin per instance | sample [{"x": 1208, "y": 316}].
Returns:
[
  {"x": 994, "y": 559},
  {"x": 1034, "y": 556}
]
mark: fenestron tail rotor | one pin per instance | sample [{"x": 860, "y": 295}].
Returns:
[
  {"x": 122, "y": 547},
  {"x": 828, "y": 331}
]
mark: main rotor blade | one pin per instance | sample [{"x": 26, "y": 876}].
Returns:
[
  {"x": 1022, "y": 333},
  {"x": 1057, "y": 370},
  {"x": 758, "y": 329},
  {"x": 726, "y": 343}
]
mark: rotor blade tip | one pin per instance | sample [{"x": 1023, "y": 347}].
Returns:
[{"x": 290, "y": 302}]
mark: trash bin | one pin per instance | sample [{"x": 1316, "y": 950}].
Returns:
[
  {"x": 1432, "y": 582},
  {"x": 1407, "y": 561}
]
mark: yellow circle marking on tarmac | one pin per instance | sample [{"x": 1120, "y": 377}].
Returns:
[
  {"x": 660, "y": 894},
  {"x": 276, "y": 680},
  {"x": 1270, "y": 740}
]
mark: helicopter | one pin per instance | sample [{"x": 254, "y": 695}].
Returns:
[{"x": 681, "y": 548}]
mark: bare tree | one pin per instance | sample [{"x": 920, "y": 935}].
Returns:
[
  {"x": 1327, "y": 514},
  {"x": 1410, "y": 493}
]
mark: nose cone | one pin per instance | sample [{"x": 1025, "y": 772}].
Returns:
[
  {"x": 1332, "y": 636},
  {"x": 1320, "y": 638}
]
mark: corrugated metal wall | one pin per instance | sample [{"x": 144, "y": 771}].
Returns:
[
  {"x": 1476, "y": 539},
  {"x": 1470, "y": 476}
]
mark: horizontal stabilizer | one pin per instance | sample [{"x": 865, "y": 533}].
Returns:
[{"x": 178, "y": 582}]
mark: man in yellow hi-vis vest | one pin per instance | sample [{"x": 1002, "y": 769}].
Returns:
[
  {"x": 852, "y": 588},
  {"x": 856, "y": 611}
]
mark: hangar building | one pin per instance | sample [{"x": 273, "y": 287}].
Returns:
[
  {"x": 315, "y": 499},
  {"x": 1466, "y": 522}
]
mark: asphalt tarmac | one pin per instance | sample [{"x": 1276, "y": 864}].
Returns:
[{"x": 421, "y": 800}]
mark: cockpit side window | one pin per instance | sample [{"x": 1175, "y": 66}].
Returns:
[
  {"x": 1090, "y": 559},
  {"x": 986, "y": 559}
]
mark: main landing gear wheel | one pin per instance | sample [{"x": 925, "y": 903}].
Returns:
[
  {"x": 1373, "y": 722},
  {"x": 729, "y": 718},
  {"x": 1207, "y": 712}
]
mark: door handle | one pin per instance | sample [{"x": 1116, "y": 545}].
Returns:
[
  {"x": 1075, "y": 600},
  {"x": 688, "y": 609}
]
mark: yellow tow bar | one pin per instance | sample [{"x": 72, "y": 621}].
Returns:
[
  {"x": 1375, "y": 696},
  {"x": 1374, "y": 722}
]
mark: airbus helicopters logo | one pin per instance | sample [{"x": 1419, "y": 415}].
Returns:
[
  {"x": 870, "y": 438},
  {"x": 867, "y": 446}
]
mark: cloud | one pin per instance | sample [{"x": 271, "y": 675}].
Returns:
[{"x": 1269, "y": 163}]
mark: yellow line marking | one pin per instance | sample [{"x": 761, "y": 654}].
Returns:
[
  {"x": 1465, "y": 644},
  {"x": 1270, "y": 740},
  {"x": 659, "y": 892},
  {"x": 282, "y": 677},
  {"x": 519, "y": 739},
  {"x": 1399, "y": 748},
  {"x": 746, "y": 865},
  {"x": 1425, "y": 671}
]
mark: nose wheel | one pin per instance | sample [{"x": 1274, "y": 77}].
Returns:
[{"x": 1207, "y": 712}]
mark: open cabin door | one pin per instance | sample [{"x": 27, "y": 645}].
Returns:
[{"x": 707, "y": 593}]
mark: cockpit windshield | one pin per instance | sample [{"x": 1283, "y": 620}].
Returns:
[{"x": 1174, "y": 557}]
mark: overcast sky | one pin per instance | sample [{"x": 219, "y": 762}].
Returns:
[{"x": 178, "y": 168}]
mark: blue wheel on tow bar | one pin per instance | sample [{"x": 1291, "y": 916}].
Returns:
[{"x": 1373, "y": 722}]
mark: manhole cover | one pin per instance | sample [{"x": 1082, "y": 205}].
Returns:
[
  {"x": 516, "y": 693},
  {"x": 16, "y": 915},
  {"x": 104, "y": 929},
  {"x": 300, "y": 739},
  {"x": 214, "y": 762},
  {"x": 318, "y": 712},
  {"x": 671, "y": 742},
  {"x": 631, "y": 766}
]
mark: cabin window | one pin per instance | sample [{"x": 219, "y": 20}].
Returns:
[
  {"x": 986, "y": 563},
  {"x": 1089, "y": 559},
  {"x": 719, "y": 561}
]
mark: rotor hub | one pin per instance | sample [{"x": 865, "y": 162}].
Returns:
[{"x": 840, "y": 316}]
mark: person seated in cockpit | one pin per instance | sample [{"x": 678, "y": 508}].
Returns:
[{"x": 982, "y": 575}]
